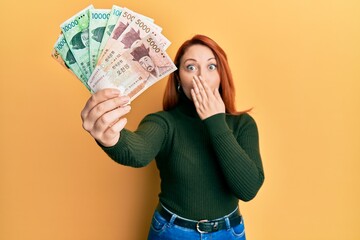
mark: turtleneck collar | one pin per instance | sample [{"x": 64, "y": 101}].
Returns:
[{"x": 187, "y": 106}]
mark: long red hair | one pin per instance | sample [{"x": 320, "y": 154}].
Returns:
[{"x": 226, "y": 89}]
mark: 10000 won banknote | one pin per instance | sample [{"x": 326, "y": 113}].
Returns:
[{"x": 114, "y": 47}]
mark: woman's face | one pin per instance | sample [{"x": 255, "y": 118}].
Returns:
[{"x": 198, "y": 60}]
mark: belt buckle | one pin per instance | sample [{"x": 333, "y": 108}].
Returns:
[{"x": 198, "y": 227}]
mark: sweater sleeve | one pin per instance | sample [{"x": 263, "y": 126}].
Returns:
[
  {"x": 238, "y": 154},
  {"x": 139, "y": 148}
]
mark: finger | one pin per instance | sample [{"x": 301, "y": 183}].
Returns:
[
  {"x": 114, "y": 115},
  {"x": 102, "y": 108},
  {"x": 202, "y": 92},
  {"x": 111, "y": 136},
  {"x": 116, "y": 127},
  {"x": 199, "y": 84},
  {"x": 195, "y": 99},
  {"x": 97, "y": 98},
  {"x": 110, "y": 118},
  {"x": 198, "y": 90},
  {"x": 205, "y": 86},
  {"x": 195, "y": 85}
]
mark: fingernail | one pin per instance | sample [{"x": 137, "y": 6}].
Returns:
[
  {"x": 126, "y": 99},
  {"x": 115, "y": 91}
]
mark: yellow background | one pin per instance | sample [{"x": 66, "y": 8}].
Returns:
[{"x": 296, "y": 62}]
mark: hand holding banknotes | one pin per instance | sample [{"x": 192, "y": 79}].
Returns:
[
  {"x": 103, "y": 116},
  {"x": 117, "y": 54}
]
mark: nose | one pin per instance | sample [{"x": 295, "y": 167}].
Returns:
[
  {"x": 203, "y": 73},
  {"x": 145, "y": 64},
  {"x": 198, "y": 73}
]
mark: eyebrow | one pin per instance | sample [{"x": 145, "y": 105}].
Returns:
[{"x": 192, "y": 59}]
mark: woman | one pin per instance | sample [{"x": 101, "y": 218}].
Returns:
[{"x": 207, "y": 152}]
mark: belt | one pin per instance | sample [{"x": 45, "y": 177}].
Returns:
[{"x": 202, "y": 226}]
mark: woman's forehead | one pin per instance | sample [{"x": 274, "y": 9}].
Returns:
[{"x": 198, "y": 52}]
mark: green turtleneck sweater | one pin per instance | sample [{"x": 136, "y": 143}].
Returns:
[{"x": 205, "y": 166}]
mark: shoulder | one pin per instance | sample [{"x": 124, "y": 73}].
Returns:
[
  {"x": 241, "y": 122},
  {"x": 164, "y": 115},
  {"x": 163, "y": 118},
  {"x": 243, "y": 118}
]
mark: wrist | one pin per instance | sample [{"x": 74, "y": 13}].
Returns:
[
  {"x": 109, "y": 143},
  {"x": 216, "y": 124}
]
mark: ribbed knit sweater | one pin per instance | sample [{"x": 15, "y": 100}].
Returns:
[{"x": 205, "y": 166}]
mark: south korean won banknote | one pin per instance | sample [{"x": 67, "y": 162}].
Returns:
[
  {"x": 97, "y": 27},
  {"x": 115, "y": 13},
  {"x": 76, "y": 33},
  {"x": 136, "y": 69},
  {"x": 62, "y": 53},
  {"x": 130, "y": 28},
  {"x": 109, "y": 28}
]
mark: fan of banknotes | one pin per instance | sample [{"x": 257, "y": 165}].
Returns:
[{"x": 113, "y": 48}]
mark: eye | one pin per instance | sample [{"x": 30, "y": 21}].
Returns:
[
  {"x": 190, "y": 67},
  {"x": 212, "y": 67}
]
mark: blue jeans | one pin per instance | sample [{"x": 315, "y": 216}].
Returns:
[{"x": 161, "y": 229}]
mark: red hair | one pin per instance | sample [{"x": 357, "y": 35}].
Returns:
[{"x": 226, "y": 89}]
